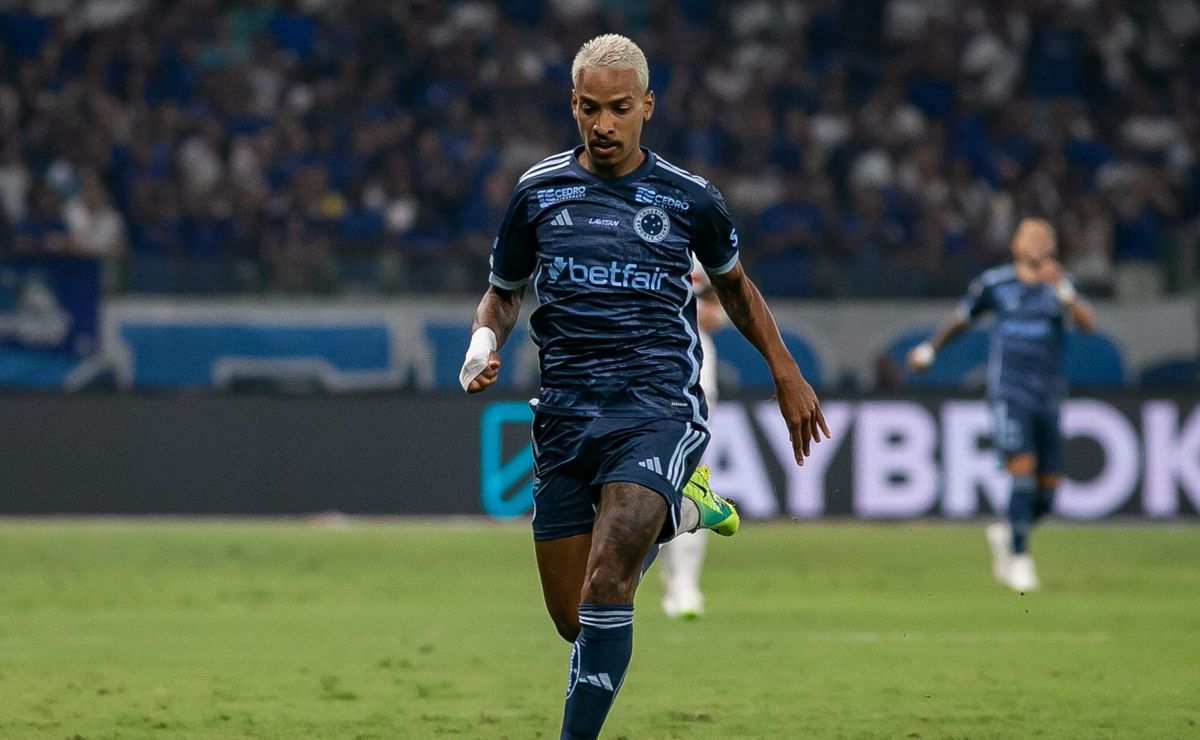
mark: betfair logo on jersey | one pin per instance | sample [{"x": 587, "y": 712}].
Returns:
[
  {"x": 549, "y": 196},
  {"x": 615, "y": 274},
  {"x": 652, "y": 197}
]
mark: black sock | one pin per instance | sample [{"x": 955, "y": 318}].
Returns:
[
  {"x": 598, "y": 662},
  {"x": 1020, "y": 512},
  {"x": 1043, "y": 502}
]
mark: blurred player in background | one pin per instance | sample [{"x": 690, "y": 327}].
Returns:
[
  {"x": 681, "y": 559},
  {"x": 1032, "y": 299},
  {"x": 606, "y": 232}
]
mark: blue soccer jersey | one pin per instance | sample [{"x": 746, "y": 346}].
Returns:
[
  {"x": 610, "y": 261},
  {"x": 1025, "y": 363}
]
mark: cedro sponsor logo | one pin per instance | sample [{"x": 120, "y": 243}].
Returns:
[
  {"x": 652, "y": 197},
  {"x": 549, "y": 196}
]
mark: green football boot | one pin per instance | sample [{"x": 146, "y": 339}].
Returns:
[{"x": 716, "y": 513}]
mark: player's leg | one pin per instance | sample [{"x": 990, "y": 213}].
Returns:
[
  {"x": 1047, "y": 460},
  {"x": 1013, "y": 439},
  {"x": 564, "y": 511},
  {"x": 629, "y": 521},
  {"x": 1021, "y": 575},
  {"x": 1022, "y": 469},
  {"x": 1043, "y": 499},
  {"x": 683, "y": 557},
  {"x": 685, "y": 553},
  {"x": 1049, "y": 463},
  {"x": 562, "y": 564},
  {"x": 644, "y": 465},
  {"x": 681, "y": 562}
]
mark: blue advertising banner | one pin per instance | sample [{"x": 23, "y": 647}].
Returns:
[
  {"x": 49, "y": 307},
  {"x": 50, "y": 303},
  {"x": 359, "y": 343}
]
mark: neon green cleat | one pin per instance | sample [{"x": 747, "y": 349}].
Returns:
[{"x": 716, "y": 513}]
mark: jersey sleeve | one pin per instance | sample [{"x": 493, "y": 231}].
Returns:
[
  {"x": 514, "y": 251},
  {"x": 977, "y": 301},
  {"x": 716, "y": 241}
]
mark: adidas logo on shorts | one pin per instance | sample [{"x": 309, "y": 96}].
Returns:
[{"x": 652, "y": 463}]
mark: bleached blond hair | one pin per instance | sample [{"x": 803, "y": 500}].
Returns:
[
  {"x": 615, "y": 51},
  {"x": 1038, "y": 224}
]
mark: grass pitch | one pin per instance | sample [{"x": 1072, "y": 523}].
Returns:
[{"x": 132, "y": 630}]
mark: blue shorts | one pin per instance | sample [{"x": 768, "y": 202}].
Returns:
[
  {"x": 1019, "y": 429},
  {"x": 574, "y": 456}
]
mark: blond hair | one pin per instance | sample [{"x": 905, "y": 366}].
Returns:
[
  {"x": 1040, "y": 224},
  {"x": 615, "y": 51}
]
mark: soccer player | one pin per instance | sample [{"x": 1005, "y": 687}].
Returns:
[
  {"x": 681, "y": 559},
  {"x": 1032, "y": 299},
  {"x": 606, "y": 234}
]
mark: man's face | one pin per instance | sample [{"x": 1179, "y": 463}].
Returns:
[
  {"x": 1034, "y": 245},
  {"x": 610, "y": 108}
]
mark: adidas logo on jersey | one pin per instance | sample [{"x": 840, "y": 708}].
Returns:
[
  {"x": 563, "y": 218},
  {"x": 614, "y": 274},
  {"x": 652, "y": 463}
]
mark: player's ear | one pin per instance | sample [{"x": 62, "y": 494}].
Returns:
[{"x": 648, "y": 105}]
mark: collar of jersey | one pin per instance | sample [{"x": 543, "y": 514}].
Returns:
[{"x": 638, "y": 173}]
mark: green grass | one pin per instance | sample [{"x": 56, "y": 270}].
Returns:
[{"x": 131, "y": 630}]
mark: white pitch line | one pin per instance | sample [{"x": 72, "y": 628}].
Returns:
[{"x": 954, "y": 637}]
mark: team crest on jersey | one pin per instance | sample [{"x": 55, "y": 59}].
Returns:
[{"x": 652, "y": 224}]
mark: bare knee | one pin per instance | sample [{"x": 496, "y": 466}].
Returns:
[
  {"x": 567, "y": 624},
  {"x": 608, "y": 581},
  {"x": 565, "y": 615}
]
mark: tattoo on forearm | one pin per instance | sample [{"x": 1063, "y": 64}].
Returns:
[{"x": 498, "y": 311}]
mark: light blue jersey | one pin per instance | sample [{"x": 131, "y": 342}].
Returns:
[{"x": 1025, "y": 364}]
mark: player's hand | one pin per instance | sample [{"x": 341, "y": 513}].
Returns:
[
  {"x": 1051, "y": 271},
  {"x": 802, "y": 414},
  {"x": 482, "y": 364},
  {"x": 487, "y": 376},
  {"x": 920, "y": 357},
  {"x": 1054, "y": 276}
]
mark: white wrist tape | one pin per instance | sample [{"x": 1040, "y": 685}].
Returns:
[
  {"x": 1065, "y": 290},
  {"x": 483, "y": 343},
  {"x": 923, "y": 354}
]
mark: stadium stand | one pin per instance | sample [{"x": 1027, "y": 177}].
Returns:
[{"x": 325, "y": 146}]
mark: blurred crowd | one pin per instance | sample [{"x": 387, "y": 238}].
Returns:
[{"x": 867, "y": 148}]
